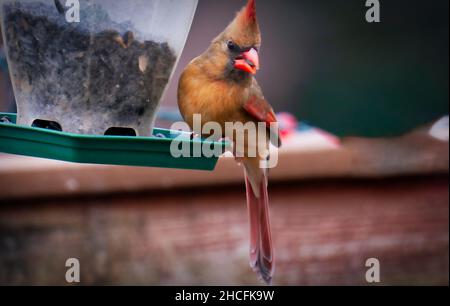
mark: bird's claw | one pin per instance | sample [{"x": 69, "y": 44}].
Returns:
[{"x": 194, "y": 136}]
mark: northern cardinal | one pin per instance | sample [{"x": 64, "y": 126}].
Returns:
[{"x": 220, "y": 86}]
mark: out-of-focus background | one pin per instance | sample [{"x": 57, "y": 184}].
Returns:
[{"x": 363, "y": 173}]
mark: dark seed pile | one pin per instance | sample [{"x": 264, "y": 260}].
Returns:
[{"x": 87, "y": 76}]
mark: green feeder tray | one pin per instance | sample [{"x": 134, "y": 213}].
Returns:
[{"x": 110, "y": 150}]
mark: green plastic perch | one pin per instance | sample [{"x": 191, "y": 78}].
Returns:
[{"x": 110, "y": 150}]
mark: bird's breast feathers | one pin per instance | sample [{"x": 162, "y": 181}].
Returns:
[{"x": 216, "y": 100}]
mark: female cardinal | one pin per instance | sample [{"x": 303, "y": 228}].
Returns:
[{"x": 220, "y": 86}]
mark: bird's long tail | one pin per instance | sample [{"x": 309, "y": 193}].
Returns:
[{"x": 261, "y": 251}]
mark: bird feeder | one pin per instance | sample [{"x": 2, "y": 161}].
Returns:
[{"x": 88, "y": 77}]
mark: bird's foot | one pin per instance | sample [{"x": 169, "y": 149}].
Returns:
[{"x": 194, "y": 136}]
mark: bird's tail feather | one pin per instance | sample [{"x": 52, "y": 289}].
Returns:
[{"x": 261, "y": 251}]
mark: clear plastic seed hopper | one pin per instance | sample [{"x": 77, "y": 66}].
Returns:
[{"x": 88, "y": 77}]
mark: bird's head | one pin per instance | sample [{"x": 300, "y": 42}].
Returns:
[{"x": 236, "y": 49}]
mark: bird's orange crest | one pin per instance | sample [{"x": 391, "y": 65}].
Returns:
[
  {"x": 245, "y": 29},
  {"x": 247, "y": 16},
  {"x": 250, "y": 10}
]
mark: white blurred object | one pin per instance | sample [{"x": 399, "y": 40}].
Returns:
[
  {"x": 312, "y": 139},
  {"x": 440, "y": 129}
]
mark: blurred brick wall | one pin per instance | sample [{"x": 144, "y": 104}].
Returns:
[{"x": 323, "y": 234}]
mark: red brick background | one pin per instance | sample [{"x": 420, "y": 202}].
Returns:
[{"x": 323, "y": 232}]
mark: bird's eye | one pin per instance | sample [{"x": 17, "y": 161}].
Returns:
[{"x": 232, "y": 46}]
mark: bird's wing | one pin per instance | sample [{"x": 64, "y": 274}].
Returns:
[{"x": 258, "y": 107}]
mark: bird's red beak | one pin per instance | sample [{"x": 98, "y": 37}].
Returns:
[{"x": 248, "y": 61}]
